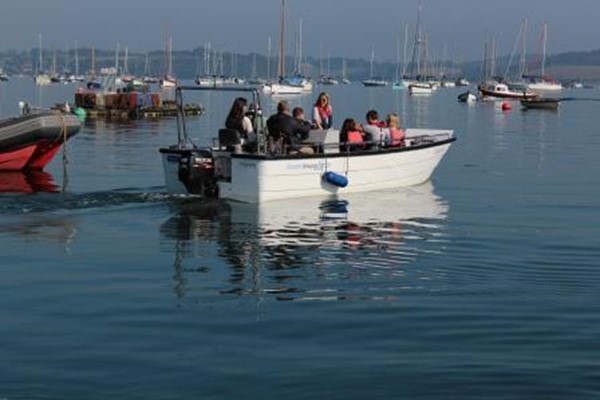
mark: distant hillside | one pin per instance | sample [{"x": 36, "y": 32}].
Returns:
[{"x": 187, "y": 63}]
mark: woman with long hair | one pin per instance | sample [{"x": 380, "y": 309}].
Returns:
[
  {"x": 322, "y": 112},
  {"x": 351, "y": 135},
  {"x": 238, "y": 120}
]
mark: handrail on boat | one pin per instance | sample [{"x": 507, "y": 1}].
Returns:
[{"x": 182, "y": 137}]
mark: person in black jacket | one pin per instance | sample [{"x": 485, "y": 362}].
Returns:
[{"x": 285, "y": 132}]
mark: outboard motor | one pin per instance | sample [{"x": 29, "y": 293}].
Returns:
[{"x": 197, "y": 173}]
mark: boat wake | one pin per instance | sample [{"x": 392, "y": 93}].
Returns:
[{"x": 48, "y": 202}]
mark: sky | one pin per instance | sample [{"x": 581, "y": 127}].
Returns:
[{"x": 348, "y": 28}]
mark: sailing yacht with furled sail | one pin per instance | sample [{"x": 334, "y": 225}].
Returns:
[
  {"x": 374, "y": 81},
  {"x": 284, "y": 85},
  {"x": 418, "y": 84},
  {"x": 41, "y": 78},
  {"x": 542, "y": 82},
  {"x": 400, "y": 83},
  {"x": 168, "y": 81}
]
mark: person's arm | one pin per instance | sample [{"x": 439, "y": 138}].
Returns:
[
  {"x": 301, "y": 130},
  {"x": 317, "y": 118},
  {"x": 247, "y": 125}
]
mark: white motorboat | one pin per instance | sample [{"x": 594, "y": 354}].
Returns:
[
  {"x": 467, "y": 97},
  {"x": 281, "y": 89},
  {"x": 374, "y": 82},
  {"x": 420, "y": 88},
  {"x": 3, "y": 76},
  {"x": 544, "y": 85},
  {"x": 254, "y": 177}
]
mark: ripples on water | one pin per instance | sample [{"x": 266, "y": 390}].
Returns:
[
  {"x": 482, "y": 284},
  {"x": 283, "y": 246}
]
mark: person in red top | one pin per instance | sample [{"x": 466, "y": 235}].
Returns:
[
  {"x": 351, "y": 136},
  {"x": 322, "y": 116},
  {"x": 374, "y": 130},
  {"x": 397, "y": 135}
]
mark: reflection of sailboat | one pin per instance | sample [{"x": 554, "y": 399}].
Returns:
[
  {"x": 392, "y": 228},
  {"x": 27, "y": 182}
]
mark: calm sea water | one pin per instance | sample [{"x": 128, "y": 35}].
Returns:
[{"x": 481, "y": 284}]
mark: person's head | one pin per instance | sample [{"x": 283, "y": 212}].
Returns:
[
  {"x": 239, "y": 108},
  {"x": 372, "y": 116},
  {"x": 283, "y": 107},
  {"x": 348, "y": 125},
  {"x": 322, "y": 100},
  {"x": 298, "y": 113},
  {"x": 393, "y": 121}
]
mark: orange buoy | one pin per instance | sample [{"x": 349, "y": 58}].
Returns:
[{"x": 506, "y": 106}]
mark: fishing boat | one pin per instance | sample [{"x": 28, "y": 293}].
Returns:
[
  {"x": 30, "y": 141},
  {"x": 503, "y": 91},
  {"x": 225, "y": 171},
  {"x": 541, "y": 103}
]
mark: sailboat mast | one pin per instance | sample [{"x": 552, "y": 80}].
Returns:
[
  {"x": 372, "y": 58},
  {"x": 523, "y": 49},
  {"x": 93, "y": 61},
  {"x": 404, "y": 51},
  {"x": 76, "y": 61},
  {"x": 269, "y": 58},
  {"x": 398, "y": 59},
  {"x": 281, "y": 69},
  {"x": 299, "y": 68},
  {"x": 40, "y": 66},
  {"x": 544, "y": 39}
]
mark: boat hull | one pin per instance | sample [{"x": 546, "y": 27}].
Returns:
[
  {"x": 256, "y": 179},
  {"x": 542, "y": 104},
  {"x": 506, "y": 94},
  {"x": 275, "y": 89},
  {"x": 30, "y": 142}
]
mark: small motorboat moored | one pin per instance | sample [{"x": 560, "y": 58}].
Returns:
[{"x": 541, "y": 103}]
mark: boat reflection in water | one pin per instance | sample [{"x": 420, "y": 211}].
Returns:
[
  {"x": 307, "y": 248},
  {"x": 27, "y": 182}
]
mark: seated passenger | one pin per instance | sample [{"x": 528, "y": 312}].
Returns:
[
  {"x": 238, "y": 120},
  {"x": 374, "y": 133},
  {"x": 284, "y": 130},
  {"x": 322, "y": 112},
  {"x": 396, "y": 134},
  {"x": 351, "y": 136}
]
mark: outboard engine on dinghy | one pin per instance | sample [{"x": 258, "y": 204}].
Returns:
[{"x": 197, "y": 173}]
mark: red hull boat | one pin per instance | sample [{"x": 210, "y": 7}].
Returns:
[{"x": 29, "y": 142}]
